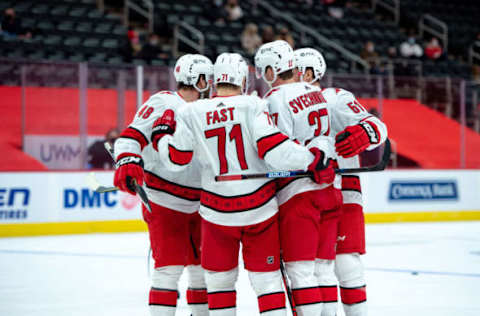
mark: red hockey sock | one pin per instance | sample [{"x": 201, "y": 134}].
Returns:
[
  {"x": 308, "y": 295},
  {"x": 329, "y": 293},
  {"x": 271, "y": 301},
  {"x": 353, "y": 295},
  {"x": 197, "y": 296},
  {"x": 222, "y": 300},
  {"x": 164, "y": 297}
]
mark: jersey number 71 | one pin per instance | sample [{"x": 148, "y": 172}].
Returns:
[{"x": 234, "y": 135}]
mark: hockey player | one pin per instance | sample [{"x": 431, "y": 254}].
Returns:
[
  {"x": 174, "y": 224},
  {"x": 300, "y": 111},
  {"x": 363, "y": 132},
  {"x": 231, "y": 134}
]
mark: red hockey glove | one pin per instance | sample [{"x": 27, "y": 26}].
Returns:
[
  {"x": 355, "y": 139},
  {"x": 163, "y": 126},
  {"x": 129, "y": 167},
  {"x": 322, "y": 173}
]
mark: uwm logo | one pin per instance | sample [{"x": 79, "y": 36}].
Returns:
[{"x": 55, "y": 152}]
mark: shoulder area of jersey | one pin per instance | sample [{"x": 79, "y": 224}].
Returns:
[
  {"x": 195, "y": 104},
  {"x": 162, "y": 96},
  {"x": 333, "y": 92},
  {"x": 288, "y": 87},
  {"x": 246, "y": 98}
]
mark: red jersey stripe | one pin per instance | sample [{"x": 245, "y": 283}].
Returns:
[
  {"x": 239, "y": 203},
  {"x": 126, "y": 155},
  {"x": 157, "y": 183},
  {"x": 135, "y": 134},
  {"x": 269, "y": 93},
  {"x": 179, "y": 157},
  {"x": 267, "y": 143}
]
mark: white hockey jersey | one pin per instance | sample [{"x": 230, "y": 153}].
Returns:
[
  {"x": 233, "y": 135},
  {"x": 345, "y": 110},
  {"x": 300, "y": 111},
  {"x": 176, "y": 190}
]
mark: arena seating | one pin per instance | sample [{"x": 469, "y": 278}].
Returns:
[
  {"x": 461, "y": 16},
  {"x": 65, "y": 30},
  {"x": 77, "y": 31}
]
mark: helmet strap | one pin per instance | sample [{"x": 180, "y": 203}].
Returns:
[
  {"x": 201, "y": 90},
  {"x": 265, "y": 78}
]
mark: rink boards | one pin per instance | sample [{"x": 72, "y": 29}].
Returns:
[{"x": 50, "y": 203}]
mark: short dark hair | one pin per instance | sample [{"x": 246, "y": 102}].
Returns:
[
  {"x": 286, "y": 75},
  {"x": 181, "y": 85},
  {"x": 226, "y": 85}
]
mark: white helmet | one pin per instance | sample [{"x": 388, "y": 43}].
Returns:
[
  {"x": 278, "y": 55},
  {"x": 188, "y": 69},
  {"x": 230, "y": 68},
  {"x": 310, "y": 58}
]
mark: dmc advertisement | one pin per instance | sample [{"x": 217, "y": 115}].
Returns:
[{"x": 36, "y": 197}]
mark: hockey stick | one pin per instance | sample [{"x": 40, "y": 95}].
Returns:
[
  {"x": 300, "y": 173},
  {"x": 93, "y": 184},
  {"x": 288, "y": 289},
  {"x": 138, "y": 189},
  {"x": 96, "y": 186}
]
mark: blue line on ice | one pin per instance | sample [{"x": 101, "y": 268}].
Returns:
[{"x": 412, "y": 271}]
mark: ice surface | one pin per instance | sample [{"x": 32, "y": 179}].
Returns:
[{"x": 412, "y": 269}]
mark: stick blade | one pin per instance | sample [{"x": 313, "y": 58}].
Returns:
[
  {"x": 92, "y": 181},
  {"x": 97, "y": 187}
]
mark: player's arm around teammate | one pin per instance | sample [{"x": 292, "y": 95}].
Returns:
[
  {"x": 174, "y": 223},
  {"x": 232, "y": 133}
]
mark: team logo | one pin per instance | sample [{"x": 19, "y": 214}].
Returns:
[
  {"x": 341, "y": 238},
  {"x": 178, "y": 68},
  {"x": 270, "y": 259}
]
